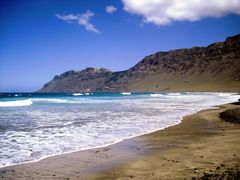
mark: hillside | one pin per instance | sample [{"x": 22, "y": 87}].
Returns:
[{"x": 212, "y": 68}]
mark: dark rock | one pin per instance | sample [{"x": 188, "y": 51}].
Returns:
[
  {"x": 231, "y": 115},
  {"x": 237, "y": 103},
  {"x": 228, "y": 174}
]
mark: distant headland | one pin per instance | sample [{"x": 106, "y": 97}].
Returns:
[{"x": 212, "y": 68}]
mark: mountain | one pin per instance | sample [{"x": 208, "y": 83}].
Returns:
[{"x": 212, "y": 68}]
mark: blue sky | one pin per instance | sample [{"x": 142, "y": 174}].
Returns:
[{"x": 40, "y": 39}]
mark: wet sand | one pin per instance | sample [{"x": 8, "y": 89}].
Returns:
[{"x": 201, "y": 147}]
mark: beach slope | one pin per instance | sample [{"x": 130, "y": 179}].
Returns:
[{"x": 202, "y": 146}]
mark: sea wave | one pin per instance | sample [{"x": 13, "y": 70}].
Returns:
[
  {"x": 156, "y": 95},
  {"x": 15, "y": 103},
  {"x": 51, "y": 100},
  {"x": 77, "y": 94},
  {"x": 126, "y": 93}
]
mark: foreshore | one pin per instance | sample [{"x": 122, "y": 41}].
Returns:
[{"x": 201, "y": 146}]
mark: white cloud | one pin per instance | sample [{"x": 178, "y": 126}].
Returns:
[
  {"x": 110, "y": 9},
  {"x": 82, "y": 19},
  {"x": 162, "y": 12}
]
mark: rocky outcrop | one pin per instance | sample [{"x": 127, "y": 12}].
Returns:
[
  {"x": 231, "y": 115},
  {"x": 212, "y": 68},
  {"x": 89, "y": 79}
]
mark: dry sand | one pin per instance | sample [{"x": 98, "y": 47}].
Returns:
[{"x": 202, "y": 146}]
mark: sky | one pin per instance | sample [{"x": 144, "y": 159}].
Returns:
[{"x": 41, "y": 39}]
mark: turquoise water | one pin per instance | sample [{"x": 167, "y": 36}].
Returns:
[{"x": 34, "y": 126}]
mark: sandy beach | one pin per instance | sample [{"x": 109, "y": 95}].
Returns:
[
  {"x": 201, "y": 147},
  {"x": 120, "y": 90}
]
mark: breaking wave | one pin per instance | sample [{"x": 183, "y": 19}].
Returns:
[
  {"x": 77, "y": 94},
  {"x": 50, "y": 100},
  {"x": 126, "y": 93},
  {"x": 15, "y": 103}
]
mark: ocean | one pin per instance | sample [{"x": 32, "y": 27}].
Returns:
[{"x": 34, "y": 126}]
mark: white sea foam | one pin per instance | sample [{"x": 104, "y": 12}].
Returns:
[
  {"x": 15, "y": 103},
  {"x": 50, "y": 100},
  {"x": 126, "y": 93},
  {"x": 156, "y": 95},
  {"x": 77, "y": 94},
  {"x": 55, "y": 128}
]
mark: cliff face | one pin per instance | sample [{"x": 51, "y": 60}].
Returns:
[
  {"x": 89, "y": 79},
  {"x": 212, "y": 68}
]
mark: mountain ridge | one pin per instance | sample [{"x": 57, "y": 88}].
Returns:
[{"x": 212, "y": 68}]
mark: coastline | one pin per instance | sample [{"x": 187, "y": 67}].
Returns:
[
  {"x": 141, "y": 131},
  {"x": 149, "y": 156}
]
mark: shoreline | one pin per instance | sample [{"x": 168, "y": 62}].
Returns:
[
  {"x": 81, "y": 150},
  {"x": 111, "y": 144},
  {"x": 101, "y": 163},
  {"x": 214, "y": 145}
]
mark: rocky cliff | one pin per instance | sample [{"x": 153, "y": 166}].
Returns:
[{"x": 212, "y": 68}]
